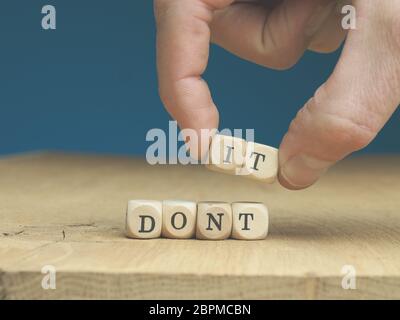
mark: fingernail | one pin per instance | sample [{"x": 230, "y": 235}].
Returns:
[
  {"x": 302, "y": 171},
  {"x": 319, "y": 17}
]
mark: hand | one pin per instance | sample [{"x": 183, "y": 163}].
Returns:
[{"x": 346, "y": 112}]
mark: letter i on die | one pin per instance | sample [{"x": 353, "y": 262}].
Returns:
[
  {"x": 227, "y": 154},
  {"x": 144, "y": 219}
]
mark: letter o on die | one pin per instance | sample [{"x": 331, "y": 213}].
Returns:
[{"x": 179, "y": 219}]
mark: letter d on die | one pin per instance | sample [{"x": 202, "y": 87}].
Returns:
[{"x": 144, "y": 219}]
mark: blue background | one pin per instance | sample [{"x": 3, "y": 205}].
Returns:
[{"x": 91, "y": 85}]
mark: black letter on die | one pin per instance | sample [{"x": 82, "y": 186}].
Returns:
[
  {"x": 246, "y": 220},
  {"x": 183, "y": 222},
  {"x": 152, "y": 220}
]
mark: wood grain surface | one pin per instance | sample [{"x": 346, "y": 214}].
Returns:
[{"x": 68, "y": 211}]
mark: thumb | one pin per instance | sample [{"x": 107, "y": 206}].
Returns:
[{"x": 348, "y": 111}]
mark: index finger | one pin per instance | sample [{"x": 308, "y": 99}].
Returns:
[{"x": 183, "y": 40}]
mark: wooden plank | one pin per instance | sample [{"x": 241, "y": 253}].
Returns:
[{"x": 68, "y": 211}]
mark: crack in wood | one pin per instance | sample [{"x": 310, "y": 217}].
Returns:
[
  {"x": 78, "y": 225},
  {"x": 10, "y": 234}
]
